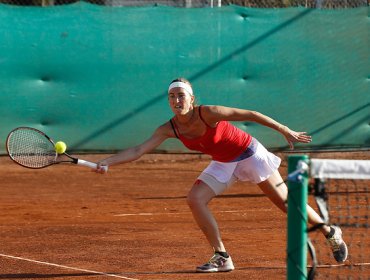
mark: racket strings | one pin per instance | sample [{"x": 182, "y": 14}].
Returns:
[{"x": 30, "y": 148}]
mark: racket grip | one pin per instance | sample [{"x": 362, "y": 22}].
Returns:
[{"x": 91, "y": 164}]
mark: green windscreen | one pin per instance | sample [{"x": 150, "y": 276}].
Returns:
[{"x": 96, "y": 77}]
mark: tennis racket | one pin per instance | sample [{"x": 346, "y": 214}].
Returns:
[{"x": 31, "y": 148}]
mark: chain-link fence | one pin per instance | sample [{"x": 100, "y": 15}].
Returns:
[{"x": 328, "y": 4}]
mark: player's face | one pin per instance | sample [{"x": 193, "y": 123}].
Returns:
[{"x": 180, "y": 101}]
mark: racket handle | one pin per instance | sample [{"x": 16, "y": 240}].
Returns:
[{"x": 90, "y": 164}]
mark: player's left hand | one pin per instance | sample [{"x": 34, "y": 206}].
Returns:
[{"x": 295, "y": 137}]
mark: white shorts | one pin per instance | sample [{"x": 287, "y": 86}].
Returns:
[{"x": 256, "y": 168}]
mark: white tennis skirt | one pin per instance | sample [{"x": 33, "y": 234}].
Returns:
[{"x": 256, "y": 168}]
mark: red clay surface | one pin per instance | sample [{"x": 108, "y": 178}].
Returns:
[{"x": 66, "y": 222}]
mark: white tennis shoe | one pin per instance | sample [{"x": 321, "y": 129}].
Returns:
[
  {"x": 217, "y": 264},
  {"x": 338, "y": 246}
]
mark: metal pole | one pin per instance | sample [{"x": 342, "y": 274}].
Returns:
[{"x": 297, "y": 218}]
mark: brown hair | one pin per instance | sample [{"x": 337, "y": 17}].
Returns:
[{"x": 182, "y": 80}]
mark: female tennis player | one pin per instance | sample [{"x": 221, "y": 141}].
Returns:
[{"x": 236, "y": 155}]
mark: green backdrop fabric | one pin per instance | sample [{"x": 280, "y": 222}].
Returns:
[{"x": 96, "y": 77}]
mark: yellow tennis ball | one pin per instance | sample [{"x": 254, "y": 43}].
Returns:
[{"x": 60, "y": 147}]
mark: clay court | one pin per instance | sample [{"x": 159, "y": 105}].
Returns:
[{"x": 66, "y": 222}]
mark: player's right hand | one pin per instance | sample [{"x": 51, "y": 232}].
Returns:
[{"x": 101, "y": 168}]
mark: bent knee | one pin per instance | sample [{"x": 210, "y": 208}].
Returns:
[
  {"x": 193, "y": 200},
  {"x": 200, "y": 194}
]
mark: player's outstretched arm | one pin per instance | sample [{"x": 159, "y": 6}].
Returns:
[
  {"x": 218, "y": 113},
  {"x": 158, "y": 137}
]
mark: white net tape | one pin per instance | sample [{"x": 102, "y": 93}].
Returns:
[{"x": 340, "y": 169}]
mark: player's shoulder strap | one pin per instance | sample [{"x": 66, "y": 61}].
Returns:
[
  {"x": 174, "y": 127},
  {"x": 200, "y": 115}
]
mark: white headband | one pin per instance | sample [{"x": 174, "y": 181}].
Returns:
[{"x": 181, "y": 85}]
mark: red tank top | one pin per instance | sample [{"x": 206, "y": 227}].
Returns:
[{"x": 223, "y": 143}]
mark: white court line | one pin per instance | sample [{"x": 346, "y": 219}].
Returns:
[{"x": 67, "y": 267}]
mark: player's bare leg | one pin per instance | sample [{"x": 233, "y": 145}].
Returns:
[
  {"x": 278, "y": 193},
  {"x": 198, "y": 198}
]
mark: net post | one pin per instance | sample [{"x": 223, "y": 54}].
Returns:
[{"x": 297, "y": 219}]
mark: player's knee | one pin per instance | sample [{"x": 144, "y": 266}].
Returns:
[
  {"x": 194, "y": 200},
  {"x": 195, "y": 197}
]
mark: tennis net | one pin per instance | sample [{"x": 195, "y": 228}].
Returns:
[{"x": 340, "y": 189}]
